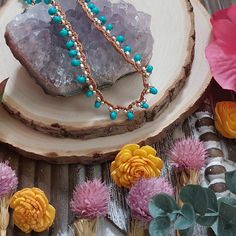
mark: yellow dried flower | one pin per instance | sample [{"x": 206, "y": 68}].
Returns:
[
  {"x": 133, "y": 163},
  {"x": 32, "y": 210}
]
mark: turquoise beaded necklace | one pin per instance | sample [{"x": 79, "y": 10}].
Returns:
[{"x": 78, "y": 58}]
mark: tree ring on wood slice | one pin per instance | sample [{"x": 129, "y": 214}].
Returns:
[
  {"x": 75, "y": 117},
  {"x": 40, "y": 146}
]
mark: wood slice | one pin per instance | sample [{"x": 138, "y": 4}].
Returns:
[
  {"x": 173, "y": 30},
  {"x": 39, "y": 146}
]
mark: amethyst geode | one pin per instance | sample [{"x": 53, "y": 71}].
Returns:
[{"x": 35, "y": 42}]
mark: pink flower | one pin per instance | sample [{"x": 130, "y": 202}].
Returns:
[
  {"x": 8, "y": 180},
  {"x": 141, "y": 193},
  {"x": 188, "y": 153},
  {"x": 221, "y": 52},
  {"x": 90, "y": 200}
]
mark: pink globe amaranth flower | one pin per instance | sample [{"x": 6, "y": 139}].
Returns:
[
  {"x": 90, "y": 200},
  {"x": 141, "y": 193},
  {"x": 188, "y": 153},
  {"x": 221, "y": 52},
  {"x": 8, "y": 180}
]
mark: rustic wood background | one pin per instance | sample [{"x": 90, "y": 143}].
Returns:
[{"x": 58, "y": 181}]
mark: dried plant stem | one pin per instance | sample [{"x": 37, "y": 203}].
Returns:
[
  {"x": 183, "y": 178},
  {"x": 85, "y": 227},
  {"x": 4, "y": 214},
  {"x": 137, "y": 228}
]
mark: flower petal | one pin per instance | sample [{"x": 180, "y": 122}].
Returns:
[
  {"x": 223, "y": 66},
  {"x": 232, "y": 13},
  {"x": 219, "y": 15},
  {"x": 225, "y": 33}
]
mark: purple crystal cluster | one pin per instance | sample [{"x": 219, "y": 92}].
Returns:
[{"x": 34, "y": 41}]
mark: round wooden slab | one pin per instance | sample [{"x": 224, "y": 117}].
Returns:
[
  {"x": 173, "y": 30},
  {"x": 39, "y": 146}
]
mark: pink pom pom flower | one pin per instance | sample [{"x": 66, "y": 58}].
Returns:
[
  {"x": 221, "y": 52},
  {"x": 90, "y": 200},
  {"x": 188, "y": 153},
  {"x": 141, "y": 193},
  {"x": 8, "y": 180}
]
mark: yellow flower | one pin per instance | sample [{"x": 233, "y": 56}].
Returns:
[
  {"x": 32, "y": 210},
  {"x": 133, "y": 163},
  {"x": 225, "y": 119}
]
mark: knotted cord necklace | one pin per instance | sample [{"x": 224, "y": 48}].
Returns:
[{"x": 78, "y": 57}]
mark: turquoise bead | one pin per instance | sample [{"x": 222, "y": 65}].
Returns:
[
  {"x": 95, "y": 10},
  {"x": 29, "y": 1},
  {"x": 137, "y": 57},
  {"x": 97, "y": 104},
  {"x": 63, "y": 32},
  {"x": 75, "y": 62},
  {"x": 91, "y": 6},
  {"x": 81, "y": 79},
  {"x": 87, "y": 1},
  {"x": 56, "y": 19},
  {"x": 127, "y": 48},
  {"x": 47, "y": 1},
  {"x": 153, "y": 90},
  {"x": 38, "y": 1},
  {"x": 70, "y": 44},
  {"x": 113, "y": 115},
  {"x": 89, "y": 93},
  {"x": 103, "y": 20},
  {"x": 144, "y": 105},
  {"x": 52, "y": 11},
  {"x": 149, "y": 69},
  {"x": 109, "y": 27},
  {"x": 130, "y": 115},
  {"x": 120, "y": 38},
  {"x": 72, "y": 53}
]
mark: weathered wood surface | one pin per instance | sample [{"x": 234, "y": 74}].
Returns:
[{"x": 59, "y": 181}]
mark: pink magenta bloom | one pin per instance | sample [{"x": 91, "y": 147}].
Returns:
[
  {"x": 221, "y": 52},
  {"x": 90, "y": 199},
  {"x": 8, "y": 180},
  {"x": 188, "y": 153},
  {"x": 141, "y": 193}
]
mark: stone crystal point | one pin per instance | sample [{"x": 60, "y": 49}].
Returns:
[{"x": 35, "y": 42}]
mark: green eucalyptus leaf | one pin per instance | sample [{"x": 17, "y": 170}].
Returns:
[
  {"x": 230, "y": 179},
  {"x": 206, "y": 220},
  {"x": 228, "y": 213},
  {"x": 173, "y": 215},
  {"x": 160, "y": 226},
  {"x": 186, "y": 219},
  {"x": 225, "y": 229},
  {"x": 196, "y": 196},
  {"x": 164, "y": 202},
  {"x": 155, "y": 211},
  {"x": 211, "y": 215},
  {"x": 228, "y": 200},
  {"x": 212, "y": 205},
  {"x": 187, "y": 232},
  {"x": 214, "y": 227}
]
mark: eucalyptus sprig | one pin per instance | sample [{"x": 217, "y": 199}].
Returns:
[{"x": 200, "y": 206}]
